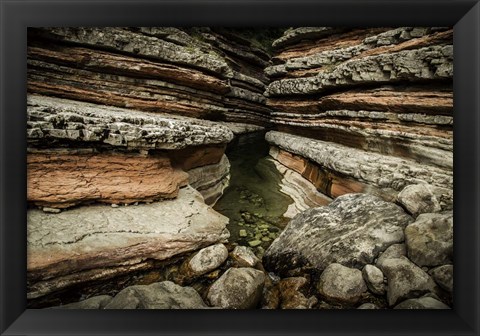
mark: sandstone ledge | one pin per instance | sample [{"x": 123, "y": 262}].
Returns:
[
  {"x": 99, "y": 242},
  {"x": 62, "y": 180}
]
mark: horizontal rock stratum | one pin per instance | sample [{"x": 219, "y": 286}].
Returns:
[
  {"x": 383, "y": 90},
  {"x": 343, "y": 169},
  {"x": 99, "y": 242},
  {"x": 207, "y": 73},
  {"x": 53, "y": 120}
]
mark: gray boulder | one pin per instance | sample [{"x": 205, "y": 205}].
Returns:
[
  {"x": 237, "y": 288},
  {"x": 443, "y": 276},
  {"x": 418, "y": 199},
  {"x": 368, "y": 306},
  {"x": 244, "y": 256},
  {"x": 422, "y": 303},
  {"x": 405, "y": 280},
  {"x": 429, "y": 239},
  {"x": 393, "y": 251},
  {"x": 373, "y": 277},
  {"x": 159, "y": 295},
  {"x": 340, "y": 284},
  {"x": 205, "y": 260},
  {"x": 95, "y": 302},
  {"x": 352, "y": 231}
]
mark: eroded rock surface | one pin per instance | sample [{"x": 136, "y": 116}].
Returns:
[
  {"x": 346, "y": 170},
  {"x": 352, "y": 231},
  {"x": 60, "y": 180},
  {"x": 422, "y": 303},
  {"x": 99, "y": 242},
  {"x": 373, "y": 277},
  {"x": 443, "y": 276},
  {"x": 52, "y": 120},
  {"x": 244, "y": 256}
]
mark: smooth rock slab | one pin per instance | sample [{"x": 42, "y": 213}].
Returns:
[
  {"x": 341, "y": 284},
  {"x": 352, "y": 231},
  {"x": 99, "y": 241},
  {"x": 429, "y": 239},
  {"x": 237, "y": 288},
  {"x": 422, "y": 303},
  {"x": 160, "y": 295},
  {"x": 405, "y": 280},
  {"x": 205, "y": 260}
]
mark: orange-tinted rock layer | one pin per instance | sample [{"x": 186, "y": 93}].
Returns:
[{"x": 63, "y": 180}]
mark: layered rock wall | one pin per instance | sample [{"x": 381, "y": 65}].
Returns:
[
  {"x": 197, "y": 72},
  {"x": 374, "y": 107},
  {"x": 127, "y": 130}
]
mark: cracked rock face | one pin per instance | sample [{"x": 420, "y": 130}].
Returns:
[
  {"x": 99, "y": 242},
  {"x": 352, "y": 231}
]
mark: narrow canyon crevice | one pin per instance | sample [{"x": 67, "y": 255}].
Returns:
[{"x": 175, "y": 163}]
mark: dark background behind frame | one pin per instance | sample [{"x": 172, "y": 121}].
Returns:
[{"x": 16, "y": 15}]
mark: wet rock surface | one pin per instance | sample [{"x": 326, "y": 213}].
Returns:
[{"x": 253, "y": 200}]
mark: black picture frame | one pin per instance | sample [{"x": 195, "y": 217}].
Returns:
[{"x": 17, "y": 15}]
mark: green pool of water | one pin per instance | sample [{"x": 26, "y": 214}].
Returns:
[{"x": 253, "y": 201}]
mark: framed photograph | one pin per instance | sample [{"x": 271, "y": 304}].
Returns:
[{"x": 239, "y": 167}]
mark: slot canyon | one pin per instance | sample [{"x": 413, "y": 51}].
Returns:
[{"x": 240, "y": 168}]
